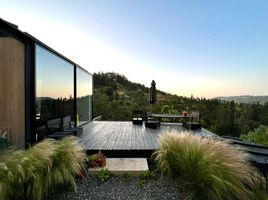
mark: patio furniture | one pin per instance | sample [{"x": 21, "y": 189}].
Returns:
[
  {"x": 137, "y": 116},
  {"x": 53, "y": 125},
  {"x": 59, "y": 135},
  {"x": 151, "y": 121},
  {"x": 68, "y": 127},
  {"x": 172, "y": 116},
  {"x": 54, "y": 129},
  {"x": 194, "y": 124},
  {"x": 61, "y": 127}
]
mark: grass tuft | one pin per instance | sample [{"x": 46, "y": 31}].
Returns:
[
  {"x": 206, "y": 168},
  {"x": 68, "y": 161},
  {"x": 31, "y": 173}
]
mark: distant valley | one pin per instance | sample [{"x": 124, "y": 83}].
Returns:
[{"x": 245, "y": 99}]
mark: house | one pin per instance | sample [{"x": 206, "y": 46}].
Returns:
[{"x": 38, "y": 84}]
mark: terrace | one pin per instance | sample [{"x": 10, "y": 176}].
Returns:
[{"x": 123, "y": 138}]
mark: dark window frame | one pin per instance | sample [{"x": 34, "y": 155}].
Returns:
[{"x": 8, "y": 30}]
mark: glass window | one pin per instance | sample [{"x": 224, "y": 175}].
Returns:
[
  {"x": 54, "y": 86},
  {"x": 84, "y": 97}
]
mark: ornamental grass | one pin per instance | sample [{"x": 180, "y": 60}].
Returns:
[
  {"x": 207, "y": 168},
  {"x": 68, "y": 161},
  {"x": 31, "y": 173}
]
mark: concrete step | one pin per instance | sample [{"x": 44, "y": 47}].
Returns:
[{"x": 122, "y": 166}]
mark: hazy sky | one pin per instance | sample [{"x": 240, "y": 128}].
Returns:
[{"x": 205, "y": 48}]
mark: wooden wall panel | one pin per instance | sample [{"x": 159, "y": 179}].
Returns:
[{"x": 12, "y": 91}]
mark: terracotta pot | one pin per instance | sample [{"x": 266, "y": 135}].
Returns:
[
  {"x": 184, "y": 113},
  {"x": 101, "y": 162},
  {"x": 93, "y": 164}
]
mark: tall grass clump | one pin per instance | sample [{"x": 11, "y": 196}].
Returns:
[
  {"x": 206, "y": 168},
  {"x": 22, "y": 171},
  {"x": 31, "y": 173},
  {"x": 67, "y": 161}
]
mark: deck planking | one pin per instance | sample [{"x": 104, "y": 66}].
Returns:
[{"x": 122, "y": 135}]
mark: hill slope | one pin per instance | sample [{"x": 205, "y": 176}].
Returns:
[{"x": 115, "y": 97}]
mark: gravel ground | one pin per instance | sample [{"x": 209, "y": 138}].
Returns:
[{"x": 128, "y": 188}]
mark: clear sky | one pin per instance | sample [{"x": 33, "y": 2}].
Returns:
[{"x": 206, "y": 48}]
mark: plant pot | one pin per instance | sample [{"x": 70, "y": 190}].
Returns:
[
  {"x": 93, "y": 164},
  {"x": 184, "y": 113},
  {"x": 101, "y": 162}
]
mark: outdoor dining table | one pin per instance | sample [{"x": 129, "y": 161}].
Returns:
[{"x": 188, "y": 118}]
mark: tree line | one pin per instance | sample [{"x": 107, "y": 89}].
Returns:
[{"x": 115, "y": 97}]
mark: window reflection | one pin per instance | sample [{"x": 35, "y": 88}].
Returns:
[
  {"x": 54, "y": 86},
  {"x": 84, "y": 97}
]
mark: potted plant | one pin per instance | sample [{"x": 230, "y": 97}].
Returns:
[
  {"x": 101, "y": 160},
  {"x": 184, "y": 113},
  {"x": 97, "y": 160}
]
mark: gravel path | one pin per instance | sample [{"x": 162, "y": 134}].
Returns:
[{"x": 126, "y": 188}]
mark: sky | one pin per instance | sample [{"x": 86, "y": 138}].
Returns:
[{"x": 200, "y": 48}]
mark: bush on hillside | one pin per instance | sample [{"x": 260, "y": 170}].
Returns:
[
  {"x": 205, "y": 168},
  {"x": 259, "y": 135}
]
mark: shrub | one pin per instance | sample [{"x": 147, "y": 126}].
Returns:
[
  {"x": 205, "y": 168},
  {"x": 31, "y": 173},
  {"x": 148, "y": 175},
  {"x": 21, "y": 171},
  {"x": 259, "y": 135},
  {"x": 68, "y": 161},
  {"x": 36, "y": 164},
  {"x": 104, "y": 175},
  {"x": 11, "y": 174}
]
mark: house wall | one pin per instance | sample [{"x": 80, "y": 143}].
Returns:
[{"x": 12, "y": 89}]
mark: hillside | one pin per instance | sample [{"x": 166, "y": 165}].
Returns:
[
  {"x": 115, "y": 97},
  {"x": 245, "y": 99}
]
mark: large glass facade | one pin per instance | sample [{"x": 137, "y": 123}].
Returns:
[
  {"x": 84, "y": 96},
  {"x": 54, "y": 86}
]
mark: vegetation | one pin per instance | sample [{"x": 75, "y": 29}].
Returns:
[
  {"x": 96, "y": 160},
  {"x": 205, "y": 168},
  {"x": 32, "y": 173},
  {"x": 68, "y": 160},
  {"x": 104, "y": 175},
  {"x": 259, "y": 135},
  {"x": 115, "y": 97},
  {"x": 3, "y": 138},
  {"x": 146, "y": 176},
  {"x": 245, "y": 99}
]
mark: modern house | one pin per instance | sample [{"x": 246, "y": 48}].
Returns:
[{"x": 38, "y": 84}]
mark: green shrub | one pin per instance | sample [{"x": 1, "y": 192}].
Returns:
[
  {"x": 31, "y": 173},
  {"x": 205, "y": 168},
  {"x": 104, "y": 175},
  {"x": 259, "y": 135},
  {"x": 148, "y": 175}
]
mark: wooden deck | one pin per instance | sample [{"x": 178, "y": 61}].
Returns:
[{"x": 108, "y": 135}]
